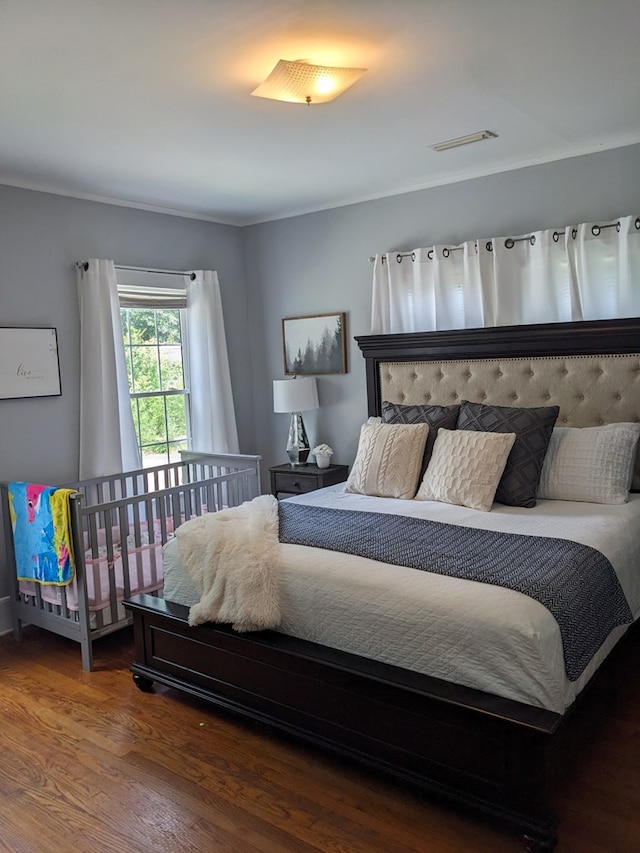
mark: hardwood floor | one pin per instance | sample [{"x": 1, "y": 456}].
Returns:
[{"x": 88, "y": 762}]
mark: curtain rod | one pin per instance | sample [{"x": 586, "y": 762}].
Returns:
[
  {"x": 509, "y": 242},
  {"x": 85, "y": 266}
]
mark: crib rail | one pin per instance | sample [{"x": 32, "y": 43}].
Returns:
[
  {"x": 119, "y": 525},
  {"x": 192, "y": 467}
]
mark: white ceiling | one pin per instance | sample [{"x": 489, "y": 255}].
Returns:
[{"x": 146, "y": 102}]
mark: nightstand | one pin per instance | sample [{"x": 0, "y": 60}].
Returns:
[{"x": 298, "y": 479}]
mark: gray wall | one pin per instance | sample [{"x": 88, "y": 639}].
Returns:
[
  {"x": 304, "y": 265},
  {"x": 318, "y": 263},
  {"x": 41, "y": 237}
]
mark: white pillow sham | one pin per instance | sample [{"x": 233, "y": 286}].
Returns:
[
  {"x": 590, "y": 464},
  {"x": 388, "y": 460},
  {"x": 466, "y": 467}
]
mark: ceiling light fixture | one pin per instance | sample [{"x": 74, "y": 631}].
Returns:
[
  {"x": 299, "y": 82},
  {"x": 464, "y": 140}
]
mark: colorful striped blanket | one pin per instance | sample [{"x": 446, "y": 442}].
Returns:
[{"x": 40, "y": 521}]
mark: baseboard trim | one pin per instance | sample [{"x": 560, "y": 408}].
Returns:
[{"x": 5, "y": 616}]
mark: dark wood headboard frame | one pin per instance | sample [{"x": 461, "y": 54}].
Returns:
[{"x": 603, "y": 337}]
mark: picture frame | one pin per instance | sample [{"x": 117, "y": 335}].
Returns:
[
  {"x": 29, "y": 364},
  {"x": 315, "y": 344}
]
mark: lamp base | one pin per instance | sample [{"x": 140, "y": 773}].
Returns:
[{"x": 298, "y": 444}]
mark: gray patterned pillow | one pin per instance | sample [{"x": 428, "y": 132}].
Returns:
[
  {"x": 436, "y": 416},
  {"x": 533, "y": 427}
]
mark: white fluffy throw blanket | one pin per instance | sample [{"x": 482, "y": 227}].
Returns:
[{"x": 233, "y": 559}]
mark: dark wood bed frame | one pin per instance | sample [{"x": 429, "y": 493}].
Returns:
[{"x": 487, "y": 753}]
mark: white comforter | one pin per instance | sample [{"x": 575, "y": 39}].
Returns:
[{"x": 482, "y": 636}]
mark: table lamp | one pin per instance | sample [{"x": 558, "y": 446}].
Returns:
[{"x": 296, "y": 396}]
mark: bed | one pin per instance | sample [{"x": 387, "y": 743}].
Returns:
[
  {"x": 479, "y": 726},
  {"x": 119, "y": 525}
]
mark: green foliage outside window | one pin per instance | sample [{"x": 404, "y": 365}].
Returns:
[{"x": 153, "y": 348}]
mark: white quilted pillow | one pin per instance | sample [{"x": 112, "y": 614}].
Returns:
[
  {"x": 592, "y": 464},
  {"x": 388, "y": 460},
  {"x": 465, "y": 467}
]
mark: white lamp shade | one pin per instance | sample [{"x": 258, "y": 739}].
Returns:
[
  {"x": 301, "y": 82},
  {"x": 295, "y": 395}
]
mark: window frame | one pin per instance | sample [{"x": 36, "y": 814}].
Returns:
[{"x": 155, "y": 298}]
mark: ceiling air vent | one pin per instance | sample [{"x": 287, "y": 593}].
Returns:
[{"x": 463, "y": 140}]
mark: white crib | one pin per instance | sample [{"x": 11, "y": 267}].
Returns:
[{"x": 119, "y": 525}]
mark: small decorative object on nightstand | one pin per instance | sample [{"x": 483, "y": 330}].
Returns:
[
  {"x": 323, "y": 454},
  {"x": 296, "y": 480}
]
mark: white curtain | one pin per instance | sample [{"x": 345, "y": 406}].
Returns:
[
  {"x": 586, "y": 272},
  {"x": 107, "y": 434},
  {"x": 607, "y": 261},
  {"x": 108, "y": 442},
  {"x": 433, "y": 288},
  {"x": 213, "y": 421}
]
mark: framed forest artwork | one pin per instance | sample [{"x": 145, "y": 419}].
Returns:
[{"x": 314, "y": 345}]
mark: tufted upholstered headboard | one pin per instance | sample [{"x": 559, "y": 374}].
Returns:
[{"x": 591, "y": 370}]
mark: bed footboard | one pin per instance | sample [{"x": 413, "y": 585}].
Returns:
[{"x": 487, "y": 753}]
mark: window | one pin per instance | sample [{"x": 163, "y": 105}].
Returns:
[{"x": 154, "y": 341}]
